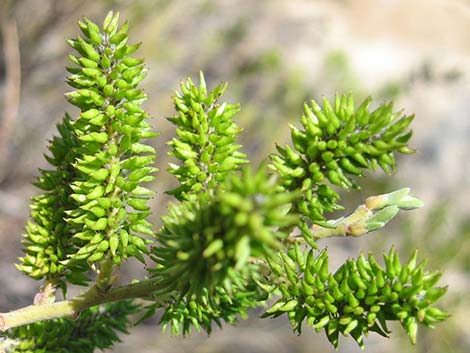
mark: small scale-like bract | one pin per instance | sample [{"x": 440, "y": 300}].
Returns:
[{"x": 233, "y": 238}]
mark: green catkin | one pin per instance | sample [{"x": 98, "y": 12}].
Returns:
[
  {"x": 101, "y": 164},
  {"x": 336, "y": 144}
]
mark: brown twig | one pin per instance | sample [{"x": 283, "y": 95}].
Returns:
[{"x": 11, "y": 51}]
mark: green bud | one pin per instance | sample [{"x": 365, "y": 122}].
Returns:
[
  {"x": 322, "y": 322},
  {"x": 97, "y": 192},
  {"x": 111, "y": 22},
  {"x": 349, "y": 166},
  {"x": 242, "y": 252},
  {"x": 100, "y": 224},
  {"x": 100, "y": 174},
  {"x": 91, "y": 53},
  {"x": 95, "y": 257},
  {"x": 87, "y": 63},
  {"x": 289, "y": 306},
  {"x": 349, "y": 327},
  {"x": 119, "y": 36}
]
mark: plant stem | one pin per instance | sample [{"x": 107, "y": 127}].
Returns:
[
  {"x": 352, "y": 225},
  {"x": 72, "y": 307},
  {"x": 104, "y": 279},
  {"x": 374, "y": 214}
]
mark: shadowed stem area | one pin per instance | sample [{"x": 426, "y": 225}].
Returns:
[{"x": 72, "y": 307}]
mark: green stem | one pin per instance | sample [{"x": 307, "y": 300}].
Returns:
[
  {"x": 353, "y": 225},
  {"x": 104, "y": 279},
  {"x": 374, "y": 214},
  {"x": 72, "y": 307}
]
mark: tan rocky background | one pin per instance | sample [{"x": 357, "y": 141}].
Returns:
[{"x": 274, "y": 54}]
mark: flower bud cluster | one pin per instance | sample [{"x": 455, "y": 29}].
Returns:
[
  {"x": 112, "y": 161},
  {"x": 45, "y": 244},
  {"x": 211, "y": 245},
  {"x": 360, "y": 297},
  {"x": 105, "y": 206},
  {"x": 336, "y": 143},
  {"x": 203, "y": 310},
  {"x": 206, "y": 139},
  {"x": 209, "y": 241}
]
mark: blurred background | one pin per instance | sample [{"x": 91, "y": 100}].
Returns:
[{"x": 275, "y": 55}]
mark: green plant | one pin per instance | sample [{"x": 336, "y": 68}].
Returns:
[{"x": 235, "y": 237}]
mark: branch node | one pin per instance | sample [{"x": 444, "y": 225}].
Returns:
[
  {"x": 75, "y": 315},
  {"x": 2, "y": 323}
]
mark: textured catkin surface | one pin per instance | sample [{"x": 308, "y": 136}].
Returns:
[{"x": 274, "y": 54}]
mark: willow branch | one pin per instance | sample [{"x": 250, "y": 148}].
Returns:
[
  {"x": 72, "y": 307},
  {"x": 374, "y": 214},
  {"x": 12, "y": 84}
]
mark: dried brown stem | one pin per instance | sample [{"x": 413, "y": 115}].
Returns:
[{"x": 11, "y": 51}]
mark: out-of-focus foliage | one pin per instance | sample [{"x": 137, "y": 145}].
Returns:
[{"x": 208, "y": 242}]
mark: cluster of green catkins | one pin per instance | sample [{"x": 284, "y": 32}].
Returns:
[
  {"x": 206, "y": 248},
  {"x": 95, "y": 206},
  {"x": 234, "y": 237},
  {"x": 205, "y": 143},
  {"x": 359, "y": 297},
  {"x": 337, "y": 143},
  {"x": 46, "y": 247}
]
